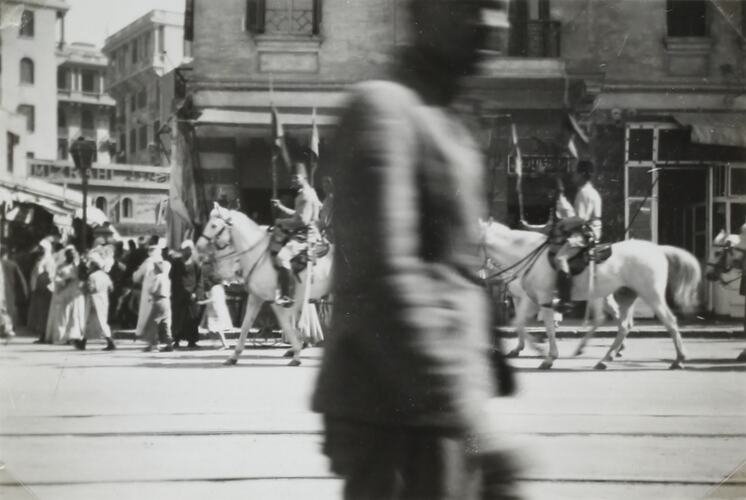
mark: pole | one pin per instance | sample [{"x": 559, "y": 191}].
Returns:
[{"x": 84, "y": 231}]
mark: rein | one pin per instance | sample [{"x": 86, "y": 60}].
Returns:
[{"x": 521, "y": 266}]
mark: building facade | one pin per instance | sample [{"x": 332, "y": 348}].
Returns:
[
  {"x": 28, "y": 77},
  {"x": 656, "y": 86},
  {"x": 83, "y": 107},
  {"x": 139, "y": 56}
]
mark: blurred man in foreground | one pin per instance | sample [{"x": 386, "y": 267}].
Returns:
[{"x": 406, "y": 377}]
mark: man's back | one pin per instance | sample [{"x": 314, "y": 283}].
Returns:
[{"x": 409, "y": 337}]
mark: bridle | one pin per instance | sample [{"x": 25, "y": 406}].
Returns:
[
  {"x": 212, "y": 240},
  {"x": 724, "y": 263}
]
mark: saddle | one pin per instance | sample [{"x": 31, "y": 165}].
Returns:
[
  {"x": 591, "y": 251},
  {"x": 300, "y": 261}
]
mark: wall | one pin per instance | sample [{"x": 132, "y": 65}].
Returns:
[{"x": 43, "y": 93}]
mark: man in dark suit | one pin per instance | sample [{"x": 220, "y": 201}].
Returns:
[
  {"x": 406, "y": 377},
  {"x": 186, "y": 286}
]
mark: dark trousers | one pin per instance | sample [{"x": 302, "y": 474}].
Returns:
[
  {"x": 380, "y": 463},
  {"x": 186, "y": 316}
]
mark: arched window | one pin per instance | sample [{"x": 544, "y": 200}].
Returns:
[
  {"x": 101, "y": 204},
  {"x": 27, "y": 71},
  {"x": 27, "y": 24},
  {"x": 127, "y": 208}
]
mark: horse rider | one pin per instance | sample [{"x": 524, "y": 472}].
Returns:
[
  {"x": 580, "y": 231},
  {"x": 561, "y": 209},
  {"x": 296, "y": 229}
]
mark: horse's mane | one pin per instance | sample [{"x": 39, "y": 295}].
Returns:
[{"x": 495, "y": 229}]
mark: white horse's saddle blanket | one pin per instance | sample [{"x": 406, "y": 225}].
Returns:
[{"x": 597, "y": 253}]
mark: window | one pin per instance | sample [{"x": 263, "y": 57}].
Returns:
[
  {"x": 686, "y": 17},
  {"x": 133, "y": 141},
  {"x": 189, "y": 21},
  {"x": 27, "y": 24},
  {"x": 127, "y": 208},
  {"x": 122, "y": 142},
  {"x": 161, "y": 40},
  {"x": 143, "y": 137},
  {"x": 88, "y": 81},
  {"x": 122, "y": 59},
  {"x": 29, "y": 112},
  {"x": 290, "y": 17},
  {"x": 87, "y": 121},
  {"x": 147, "y": 46},
  {"x": 12, "y": 141},
  {"x": 135, "y": 51},
  {"x": 62, "y": 149},
  {"x": 27, "y": 71},
  {"x": 641, "y": 144},
  {"x": 102, "y": 204},
  {"x": 63, "y": 79},
  {"x": 133, "y": 102},
  {"x": 156, "y": 130},
  {"x": 142, "y": 99},
  {"x": 30, "y": 155},
  {"x": 61, "y": 117}
]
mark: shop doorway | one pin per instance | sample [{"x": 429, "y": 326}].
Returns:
[{"x": 682, "y": 209}]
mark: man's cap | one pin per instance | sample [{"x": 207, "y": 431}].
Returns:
[{"x": 300, "y": 169}]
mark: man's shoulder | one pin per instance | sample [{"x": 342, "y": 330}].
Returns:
[{"x": 383, "y": 95}]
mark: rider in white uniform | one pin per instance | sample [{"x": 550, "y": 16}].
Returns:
[
  {"x": 300, "y": 224},
  {"x": 588, "y": 210}
]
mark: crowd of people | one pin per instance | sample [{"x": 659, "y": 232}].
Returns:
[{"x": 66, "y": 297}]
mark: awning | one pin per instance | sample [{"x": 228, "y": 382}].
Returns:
[
  {"x": 232, "y": 118},
  {"x": 717, "y": 129}
]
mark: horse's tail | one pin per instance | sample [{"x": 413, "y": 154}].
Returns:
[{"x": 684, "y": 275}]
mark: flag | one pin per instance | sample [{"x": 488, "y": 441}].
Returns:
[
  {"x": 161, "y": 211},
  {"x": 575, "y": 132},
  {"x": 314, "y": 135},
  {"x": 517, "y": 149},
  {"x": 278, "y": 138},
  {"x": 113, "y": 208}
]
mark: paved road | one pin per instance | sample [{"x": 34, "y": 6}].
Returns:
[{"x": 131, "y": 425}]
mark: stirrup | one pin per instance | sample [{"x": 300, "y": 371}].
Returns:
[{"x": 284, "y": 301}]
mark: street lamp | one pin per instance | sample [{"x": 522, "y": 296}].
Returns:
[{"x": 83, "y": 151}]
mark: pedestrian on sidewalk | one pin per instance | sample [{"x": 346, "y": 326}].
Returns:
[
  {"x": 406, "y": 382},
  {"x": 157, "y": 286},
  {"x": 216, "y": 318},
  {"x": 67, "y": 309},
  {"x": 186, "y": 288},
  {"x": 41, "y": 285},
  {"x": 97, "y": 288}
]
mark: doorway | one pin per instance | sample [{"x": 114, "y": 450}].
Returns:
[{"x": 682, "y": 209}]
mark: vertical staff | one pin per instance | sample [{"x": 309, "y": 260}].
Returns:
[{"x": 518, "y": 170}]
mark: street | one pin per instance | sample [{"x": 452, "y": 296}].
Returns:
[{"x": 128, "y": 424}]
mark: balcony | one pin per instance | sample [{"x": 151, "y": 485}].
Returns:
[{"x": 81, "y": 97}]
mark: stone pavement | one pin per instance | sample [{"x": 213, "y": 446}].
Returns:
[{"x": 133, "y": 425}]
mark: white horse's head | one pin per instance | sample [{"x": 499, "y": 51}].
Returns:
[
  {"x": 724, "y": 255},
  {"x": 217, "y": 230}
]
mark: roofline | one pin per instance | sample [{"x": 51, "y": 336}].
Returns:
[
  {"x": 112, "y": 41},
  {"x": 58, "y": 5}
]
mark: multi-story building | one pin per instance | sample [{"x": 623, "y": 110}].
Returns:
[
  {"x": 29, "y": 65},
  {"x": 83, "y": 107},
  {"x": 139, "y": 56}
]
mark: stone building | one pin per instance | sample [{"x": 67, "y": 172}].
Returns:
[
  {"x": 657, "y": 86},
  {"x": 140, "y": 54},
  {"x": 84, "y": 109}
]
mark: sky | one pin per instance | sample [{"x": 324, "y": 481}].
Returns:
[{"x": 93, "y": 20}]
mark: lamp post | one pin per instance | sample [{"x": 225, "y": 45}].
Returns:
[{"x": 83, "y": 151}]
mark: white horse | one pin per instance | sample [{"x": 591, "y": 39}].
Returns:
[
  {"x": 642, "y": 268},
  {"x": 727, "y": 255},
  {"x": 236, "y": 239}
]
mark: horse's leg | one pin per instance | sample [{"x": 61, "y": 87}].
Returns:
[
  {"x": 596, "y": 306},
  {"x": 253, "y": 304},
  {"x": 742, "y": 356},
  {"x": 624, "y": 324},
  {"x": 658, "y": 305},
  {"x": 524, "y": 310},
  {"x": 286, "y": 318},
  {"x": 548, "y": 317}
]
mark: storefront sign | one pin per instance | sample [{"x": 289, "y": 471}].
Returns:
[
  {"x": 541, "y": 164},
  {"x": 56, "y": 172}
]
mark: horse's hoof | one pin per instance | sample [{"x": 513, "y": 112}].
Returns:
[
  {"x": 742, "y": 356},
  {"x": 578, "y": 352},
  {"x": 288, "y": 354},
  {"x": 546, "y": 365},
  {"x": 294, "y": 362},
  {"x": 676, "y": 365},
  {"x": 513, "y": 354},
  {"x": 619, "y": 354},
  {"x": 600, "y": 366},
  {"x": 608, "y": 358},
  {"x": 230, "y": 362},
  {"x": 554, "y": 356}
]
